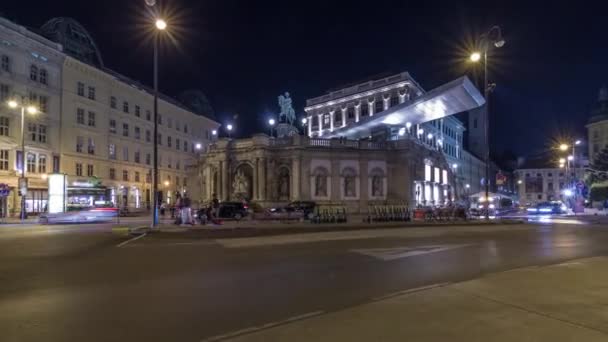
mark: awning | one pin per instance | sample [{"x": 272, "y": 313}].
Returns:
[{"x": 451, "y": 98}]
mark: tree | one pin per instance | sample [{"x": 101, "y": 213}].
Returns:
[
  {"x": 599, "y": 167},
  {"x": 600, "y": 162}
]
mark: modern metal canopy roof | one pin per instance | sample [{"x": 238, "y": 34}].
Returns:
[{"x": 454, "y": 97}]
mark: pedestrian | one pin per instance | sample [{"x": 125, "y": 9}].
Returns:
[{"x": 178, "y": 207}]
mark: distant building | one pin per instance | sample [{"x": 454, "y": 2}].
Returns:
[
  {"x": 538, "y": 180},
  {"x": 597, "y": 128}
]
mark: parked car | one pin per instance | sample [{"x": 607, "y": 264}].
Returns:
[
  {"x": 233, "y": 210},
  {"x": 545, "y": 208},
  {"x": 282, "y": 213},
  {"x": 307, "y": 207}
]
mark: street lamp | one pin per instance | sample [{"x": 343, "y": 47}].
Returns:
[
  {"x": 271, "y": 122},
  {"x": 23, "y": 179},
  {"x": 563, "y": 147},
  {"x": 198, "y": 146},
  {"x": 492, "y": 37},
  {"x": 160, "y": 26},
  {"x": 229, "y": 129}
]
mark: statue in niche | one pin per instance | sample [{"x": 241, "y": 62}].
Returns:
[
  {"x": 377, "y": 186},
  {"x": 349, "y": 186},
  {"x": 240, "y": 185},
  {"x": 321, "y": 185}
]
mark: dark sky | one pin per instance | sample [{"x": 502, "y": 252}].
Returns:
[{"x": 243, "y": 54}]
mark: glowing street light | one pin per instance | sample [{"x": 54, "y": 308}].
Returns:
[
  {"x": 271, "y": 123},
  {"x": 304, "y": 121},
  {"x": 570, "y": 158},
  {"x": 214, "y": 132},
  {"x": 198, "y": 146},
  {"x": 161, "y": 24},
  {"x": 13, "y": 104},
  {"x": 492, "y": 37},
  {"x": 563, "y": 147},
  {"x": 562, "y": 160},
  {"x": 475, "y": 57},
  {"x": 167, "y": 183}
]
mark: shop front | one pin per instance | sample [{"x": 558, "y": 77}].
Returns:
[{"x": 87, "y": 193}]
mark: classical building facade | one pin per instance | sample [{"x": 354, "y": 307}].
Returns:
[
  {"x": 381, "y": 141},
  {"x": 355, "y": 174},
  {"x": 597, "y": 128},
  {"x": 539, "y": 183},
  {"x": 30, "y": 72},
  {"x": 95, "y": 125},
  {"x": 339, "y": 113}
]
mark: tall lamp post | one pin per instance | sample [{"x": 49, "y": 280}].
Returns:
[
  {"x": 491, "y": 38},
  {"x": 23, "y": 179},
  {"x": 229, "y": 129},
  {"x": 160, "y": 25},
  {"x": 271, "y": 123}
]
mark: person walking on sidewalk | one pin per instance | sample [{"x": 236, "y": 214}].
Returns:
[{"x": 186, "y": 210}]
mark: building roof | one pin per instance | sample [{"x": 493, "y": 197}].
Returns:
[
  {"x": 451, "y": 98},
  {"x": 600, "y": 112}
]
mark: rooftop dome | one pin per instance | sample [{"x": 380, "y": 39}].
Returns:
[
  {"x": 74, "y": 38},
  {"x": 197, "y": 101}
]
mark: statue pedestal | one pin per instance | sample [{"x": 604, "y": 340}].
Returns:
[{"x": 286, "y": 130}]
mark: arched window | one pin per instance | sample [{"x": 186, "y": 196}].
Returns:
[
  {"x": 377, "y": 182},
  {"x": 349, "y": 184},
  {"x": 33, "y": 73},
  {"x": 43, "y": 77},
  {"x": 320, "y": 175}
]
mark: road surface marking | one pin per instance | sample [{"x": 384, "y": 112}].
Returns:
[
  {"x": 394, "y": 253},
  {"x": 262, "y": 327},
  {"x": 124, "y": 243},
  {"x": 404, "y": 292}
]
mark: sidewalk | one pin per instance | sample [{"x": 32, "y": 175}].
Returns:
[{"x": 565, "y": 302}]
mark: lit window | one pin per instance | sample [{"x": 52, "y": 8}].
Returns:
[
  {"x": 91, "y": 146},
  {"x": 42, "y": 163},
  {"x": 437, "y": 175},
  {"x": 112, "y": 151},
  {"x": 427, "y": 173},
  {"x": 31, "y": 163}
]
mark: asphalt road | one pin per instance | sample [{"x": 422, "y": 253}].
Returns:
[{"x": 90, "y": 283}]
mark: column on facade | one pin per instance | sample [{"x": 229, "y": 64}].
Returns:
[
  {"x": 364, "y": 187},
  {"x": 255, "y": 185},
  {"x": 310, "y": 126},
  {"x": 295, "y": 179},
  {"x": 401, "y": 97},
  {"x": 344, "y": 116},
  {"x": 386, "y": 101},
  {"x": 320, "y": 116},
  {"x": 371, "y": 107},
  {"x": 331, "y": 120},
  {"x": 224, "y": 180},
  {"x": 357, "y": 111},
  {"x": 262, "y": 179}
]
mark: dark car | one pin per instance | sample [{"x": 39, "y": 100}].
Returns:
[
  {"x": 233, "y": 210},
  {"x": 308, "y": 207}
]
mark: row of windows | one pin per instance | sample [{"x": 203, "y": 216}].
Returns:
[
  {"x": 80, "y": 90},
  {"x": 5, "y": 63},
  {"x": 148, "y": 136},
  {"x": 36, "y": 132},
  {"x": 137, "y": 112},
  {"x": 112, "y": 154},
  {"x": 137, "y": 176},
  {"x": 35, "y": 163},
  {"x": 376, "y": 105},
  {"x": 79, "y": 169}
]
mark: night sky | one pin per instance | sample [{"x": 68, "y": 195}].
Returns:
[{"x": 243, "y": 54}]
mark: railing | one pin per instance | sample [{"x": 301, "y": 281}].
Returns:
[{"x": 319, "y": 142}]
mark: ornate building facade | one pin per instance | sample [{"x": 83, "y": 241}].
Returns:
[
  {"x": 597, "y": 127},
  {"x": 381, "y": 141},
  {"x": 355, "y": 174}
]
